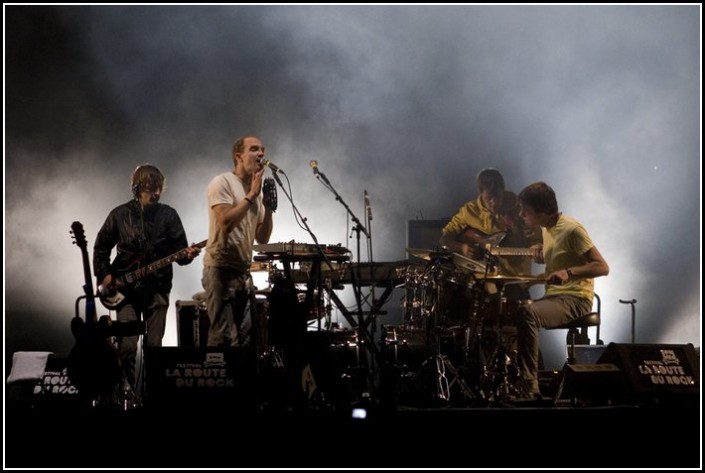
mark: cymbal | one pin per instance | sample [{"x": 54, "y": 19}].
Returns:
[
  {"x": 430, "y": 255},
  {"x": 507, "y": 279},
  {"x": 469, "y": 264},
  {"x": 420, "y": 253}
]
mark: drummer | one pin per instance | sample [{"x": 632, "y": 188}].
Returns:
[{"x": 492, "y": 217}]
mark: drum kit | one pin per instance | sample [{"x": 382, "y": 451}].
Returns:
[
  {"x": 458, "y": 338},
  {"x": 456, "y": 343}
]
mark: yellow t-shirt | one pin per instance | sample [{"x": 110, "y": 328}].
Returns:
[{"x": 564, "y": 245}]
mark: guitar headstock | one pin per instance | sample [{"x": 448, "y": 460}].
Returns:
[{"x": 78, "y": 235}]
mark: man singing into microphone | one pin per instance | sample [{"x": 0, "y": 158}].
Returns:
[{"x": 238, "y": 215}]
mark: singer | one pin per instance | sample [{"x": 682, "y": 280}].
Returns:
[{"x": 237, "y": 217}]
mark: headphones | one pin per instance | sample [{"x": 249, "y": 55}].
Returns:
[
  {"x": 135, "y": 182},
  {"x": 144, "y": 174}
]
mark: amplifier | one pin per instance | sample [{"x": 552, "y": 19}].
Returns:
[
  {"x": 192, "y": 324},
  {"x": 424, "y": 233}
]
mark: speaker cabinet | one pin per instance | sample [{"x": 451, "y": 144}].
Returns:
[
  {"x": 424, "y": 233},
  {"x": 594, "y": 384},
  {"x": 663, "y": 374}
]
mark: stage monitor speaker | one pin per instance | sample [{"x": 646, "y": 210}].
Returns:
[
  {"x": 53, "y": 384},
  {"x": 593, "y": 384},
  {"x": 199, "y": 378},
  {"x": 192, "y": 324},
  {"x": 587, "y": 354},
  {"x": 658, "y": 373},
  {"x": 424, "y": 233}
]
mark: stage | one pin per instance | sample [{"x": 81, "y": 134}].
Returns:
[{"x": 203, "y": 434}]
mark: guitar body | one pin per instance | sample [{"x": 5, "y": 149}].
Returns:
[
  {"x": 114, "y": 297},
  {"x": 126, "y": 280},
  {"x": 474, "y": 236}
]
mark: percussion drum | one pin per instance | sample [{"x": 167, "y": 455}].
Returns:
[{"x": 511, "y": 309}]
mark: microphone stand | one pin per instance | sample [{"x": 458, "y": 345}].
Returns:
[
  {"x": 363, "y": 336},
  {"x": 373, "y": 305},
  {"x": 315, "y": 271},
  {"x": 316, "y": 264}
]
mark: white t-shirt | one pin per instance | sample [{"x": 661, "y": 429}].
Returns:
[{"x": 233, "y": 250}]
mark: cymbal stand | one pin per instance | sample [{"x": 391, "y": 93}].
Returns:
[
  {"x": 436, "y": 361},
  {"x": 502, "y": 388},
  {"x": 474, "y": 357}
]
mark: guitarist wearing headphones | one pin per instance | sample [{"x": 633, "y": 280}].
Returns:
[{"x": 143, "y": 231}]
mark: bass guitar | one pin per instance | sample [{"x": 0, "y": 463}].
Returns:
[{"x": 111, "y": 297}]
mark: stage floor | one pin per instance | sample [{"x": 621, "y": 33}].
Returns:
[{"x": 70, "y": 434}]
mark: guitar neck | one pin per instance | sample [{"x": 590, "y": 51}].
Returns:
[
  {"x": 91, "y": 313},
  {"x": 500, "y": 251},
  {"x": 137, "y": 274},
  {"x": 80, "y": 241}
]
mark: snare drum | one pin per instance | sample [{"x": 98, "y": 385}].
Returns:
[{"x": 511, "y": 308}]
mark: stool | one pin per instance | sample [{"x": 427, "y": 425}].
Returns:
[{"x": 578, "y": 331}]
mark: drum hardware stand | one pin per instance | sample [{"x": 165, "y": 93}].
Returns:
[
  {"x": 436, "y": 361},
  {"x": 501, "y": 387},
  {"x": 473, "y": 341}
]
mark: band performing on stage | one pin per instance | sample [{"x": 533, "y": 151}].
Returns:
[{"x": 468, "y": 333}]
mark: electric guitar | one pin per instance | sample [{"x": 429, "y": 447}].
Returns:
[
  {"x": 474, "y": 236},
  {"x": 112, "y": 299},
  {"x": 93, "y": 363}
]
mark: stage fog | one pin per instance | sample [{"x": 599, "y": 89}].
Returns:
[{"x": 406, "y": 103}]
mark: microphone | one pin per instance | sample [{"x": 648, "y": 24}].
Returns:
[
  {"x": 270, "y": 165},
  {"x": 314, "y": 165},
  {"x": 368, "y": 207}
]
